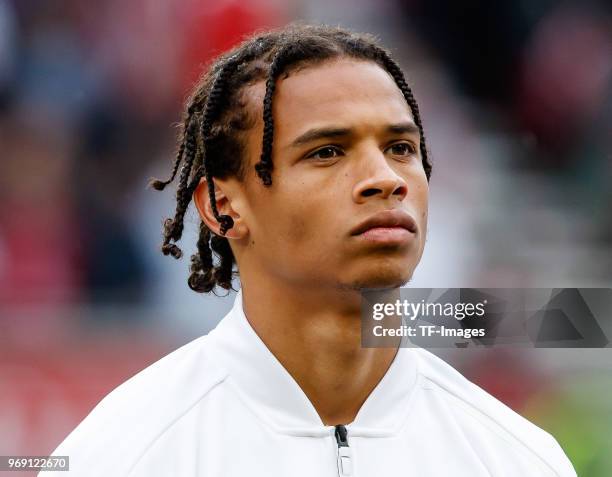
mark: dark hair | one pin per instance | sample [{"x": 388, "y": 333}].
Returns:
[{"x": 216, "y": 119}]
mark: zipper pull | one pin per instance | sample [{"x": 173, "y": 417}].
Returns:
[{"x": 345, "y": 464}]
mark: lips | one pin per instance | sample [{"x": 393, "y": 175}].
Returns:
[{"x": 387, "y": 219}]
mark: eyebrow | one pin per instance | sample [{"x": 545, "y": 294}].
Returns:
[{"x": 332, "y": 132}]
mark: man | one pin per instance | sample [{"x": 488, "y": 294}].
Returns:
[{"x": 304, "y": 153}]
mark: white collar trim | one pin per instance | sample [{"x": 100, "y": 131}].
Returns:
[{"x": 272, "y": 393}]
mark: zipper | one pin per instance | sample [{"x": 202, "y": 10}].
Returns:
[{"x": 345, "y": 463}]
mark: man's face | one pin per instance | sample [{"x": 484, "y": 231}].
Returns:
[{"x": 345, "y": 149}]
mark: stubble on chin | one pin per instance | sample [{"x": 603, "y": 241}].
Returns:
[{"x": 374, "y": 283}]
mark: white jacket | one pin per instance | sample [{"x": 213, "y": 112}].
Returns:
[{"x": 223, "y": 405}]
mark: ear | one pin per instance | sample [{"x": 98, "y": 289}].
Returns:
[{"x": 223, "y": 201}]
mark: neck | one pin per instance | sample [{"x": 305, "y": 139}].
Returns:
[{"x": 316, "y": 335}]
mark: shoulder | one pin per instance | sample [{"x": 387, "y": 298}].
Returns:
[
  {"x": 121, "y": 428},
  {"x": 491, "y": 415}
]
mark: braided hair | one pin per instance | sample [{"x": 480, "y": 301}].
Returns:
[{"x": 216, "y": 120}]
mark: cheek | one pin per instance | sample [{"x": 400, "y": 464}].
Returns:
[
  {"x": 282, "y": 221},
  {"x": 420, "y": 194},
  {"x": 294, "y": 211},
  {"x": 422, "y": 203},
  {"x": 304, "y": 219},
  {"x": 297, "y": 229},
  {"x": 418, "y": 197}
]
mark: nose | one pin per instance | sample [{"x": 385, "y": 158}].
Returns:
[{"x": 380, "y": 180}]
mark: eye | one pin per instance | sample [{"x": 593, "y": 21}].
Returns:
[
  {"x": 402, "y": 149},
  {"x": 327, "y": 152}
]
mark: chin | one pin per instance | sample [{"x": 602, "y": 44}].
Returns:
[{"x": 380, "y": 279}]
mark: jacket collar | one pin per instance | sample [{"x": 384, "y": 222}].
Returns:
[{"x": 272, "y": 393}]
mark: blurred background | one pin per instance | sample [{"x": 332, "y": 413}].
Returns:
[{"x": 516, "y": 98}]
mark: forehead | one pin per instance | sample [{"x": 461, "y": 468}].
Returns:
[{"x": 341, "y": 92}]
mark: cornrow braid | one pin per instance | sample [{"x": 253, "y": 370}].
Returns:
[
  {"x": 212, "y": 138},
  {"x": 160, "y": 185},
  {"x": 223, "y": 273},
  {"x": 173, "y": 228},
  {"x": 264, "y": 166},
  {"x": 202, "y": 268},
  {"x": 395, "y": 71},
  {"x": 212, "y": 106}
]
